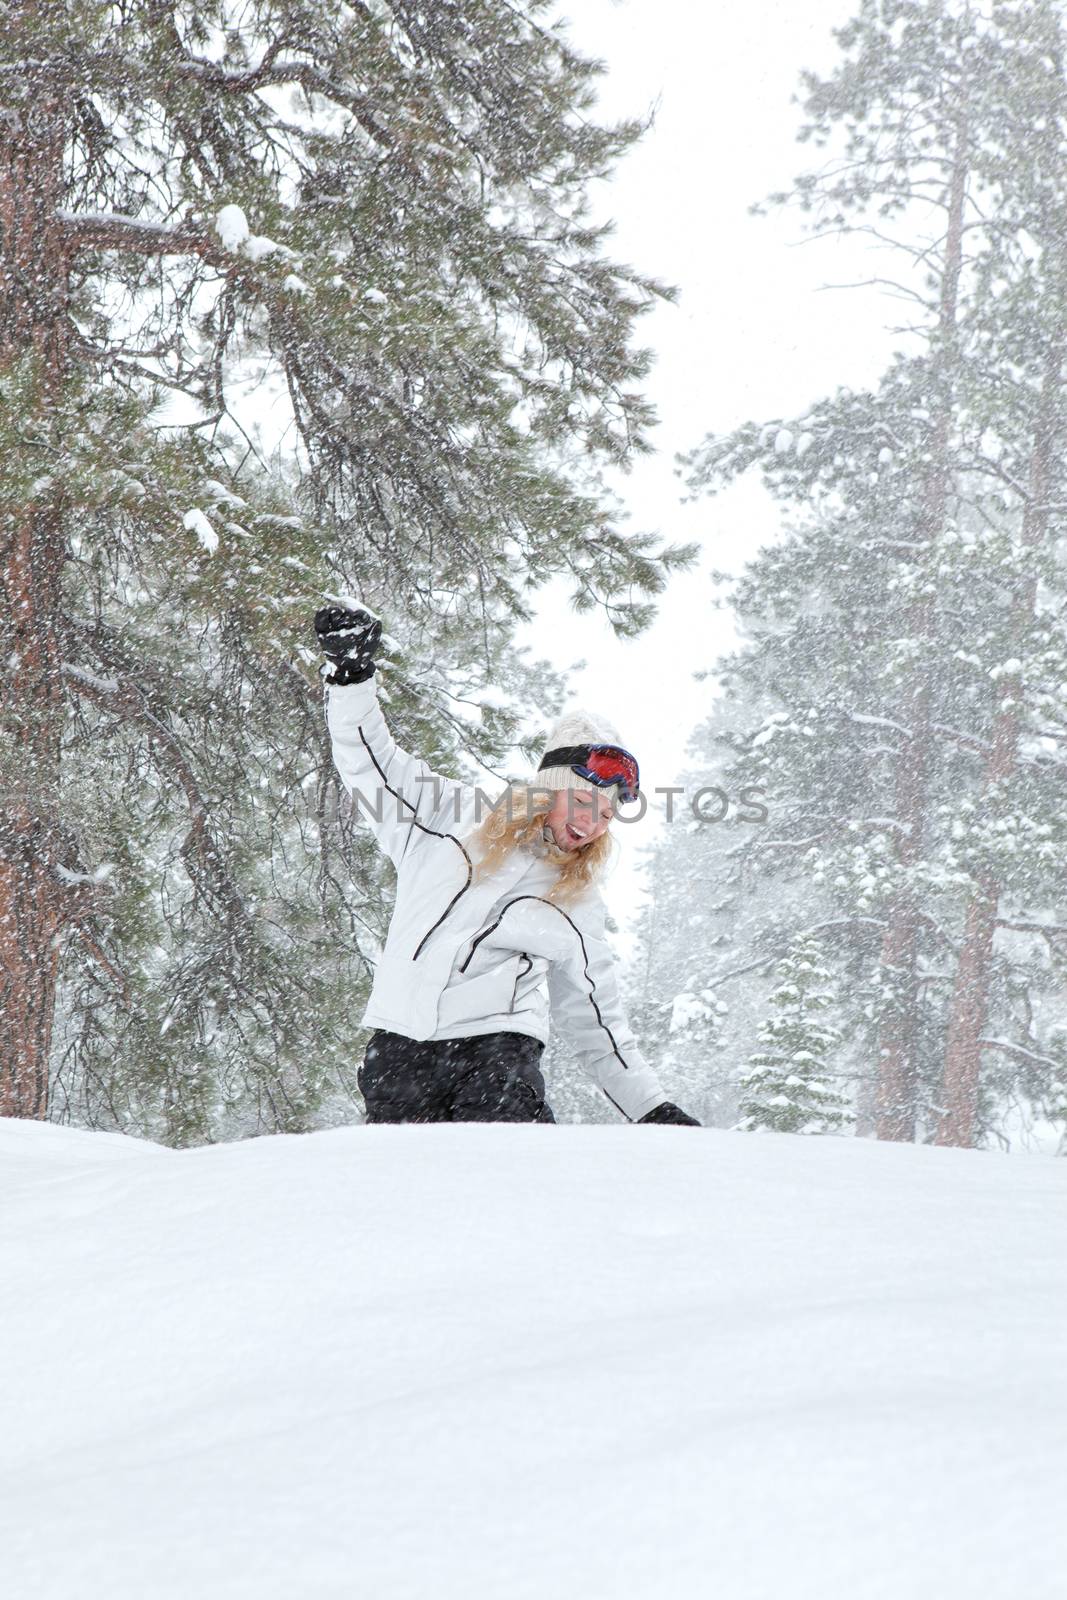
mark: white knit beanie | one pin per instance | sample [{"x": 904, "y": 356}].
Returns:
[{"x": 576, "y": 726}]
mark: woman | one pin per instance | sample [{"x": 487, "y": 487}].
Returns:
[{"x": 498, "y": 924}]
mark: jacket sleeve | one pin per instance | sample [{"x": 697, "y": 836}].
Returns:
[
  {"x": 587, "y": 1011},
  {"x": 396, "y": 793}
]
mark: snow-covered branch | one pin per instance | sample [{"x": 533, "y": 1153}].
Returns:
[
  {"x": 1018, "y": 1050},
  {"x": 112, "y": 230},
  {"x": 969, "y": 741},
  {"x": 866, "y": 721},
  {"x": 272, "y": 73}
]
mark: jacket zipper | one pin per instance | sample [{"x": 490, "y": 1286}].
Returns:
[{"x": 518, "y": 977}]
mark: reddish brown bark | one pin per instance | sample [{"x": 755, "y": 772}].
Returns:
[
  {"x": 33, "y": 899},
  {"x": 958, "y": 1119},
  {"x": 895, "y": 1085},
  {"x": 896, "y": 1108},
  {"x": 959, "y": 1087}
]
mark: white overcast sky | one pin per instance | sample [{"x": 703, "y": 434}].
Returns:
[{"x": 754, "y": 334}]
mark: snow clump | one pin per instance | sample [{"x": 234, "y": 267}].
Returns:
[
  {"x": 196, "y": 522},
  {"x": 231, "y": 225}
]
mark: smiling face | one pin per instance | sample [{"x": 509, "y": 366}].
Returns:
[{"x": 578, "y": 816}]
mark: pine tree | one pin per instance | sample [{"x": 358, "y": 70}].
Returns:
[
  {"x": 294, "y": 298},
  {"x": 905, "y": 666},
  {"x": 786, "y": 1085},
  {"x": 1008, "y": 872}
]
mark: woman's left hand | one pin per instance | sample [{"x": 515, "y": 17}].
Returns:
[{"x": 671, "y": 1115}]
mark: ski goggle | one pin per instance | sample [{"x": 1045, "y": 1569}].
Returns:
[{"x": 602, "y": 764}]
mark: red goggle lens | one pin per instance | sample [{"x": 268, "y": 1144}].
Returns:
[{"x": 606, "y": 765}]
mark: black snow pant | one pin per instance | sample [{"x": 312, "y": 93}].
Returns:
[{"x": 492, "y": 1077}]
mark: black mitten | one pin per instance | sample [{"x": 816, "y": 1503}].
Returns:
[{"x": 348, "y": 639}]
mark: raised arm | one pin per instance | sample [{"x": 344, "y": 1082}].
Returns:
[{"x": 395, "y": 793}]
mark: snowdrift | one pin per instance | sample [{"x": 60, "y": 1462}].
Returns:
[{"x": 530, "y": 1362}]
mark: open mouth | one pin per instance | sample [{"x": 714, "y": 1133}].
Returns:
[{"x": 572, "y": 834}]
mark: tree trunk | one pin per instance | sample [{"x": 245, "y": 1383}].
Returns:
[
  {"x": 957, "y": 1122},
  {"x": 896, "y": 1091},
  {"x": 895, "y": 1088},
  {"x": 33, "y": 319},
  {"x": 959, "y": 1088}
]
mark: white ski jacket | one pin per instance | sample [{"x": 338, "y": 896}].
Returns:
[{"x": 464, "y": 957}]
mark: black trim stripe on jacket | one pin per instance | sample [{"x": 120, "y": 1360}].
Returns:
[
  {"x": 585, "y": 960},
  {"x": 616, "y": 1104},
  {"x": 518, "y": 979},
  {"x": 415, "y": 823}
]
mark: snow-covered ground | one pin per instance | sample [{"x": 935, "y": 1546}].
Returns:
[{"x": 530, "y": 1362}]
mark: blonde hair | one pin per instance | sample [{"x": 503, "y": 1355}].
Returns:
[{"x": 517, "y": 820}]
